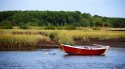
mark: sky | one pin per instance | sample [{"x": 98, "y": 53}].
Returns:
[{"x": 109, "y": 8}]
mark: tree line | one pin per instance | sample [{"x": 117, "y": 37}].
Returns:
[{"x": 9, "y": 19}]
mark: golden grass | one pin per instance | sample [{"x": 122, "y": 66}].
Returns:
[
  {"x": 9, "y": 41},
  {"x": 85, "y": 35},
  {"x": 63, "y": 36},
  {"x": 101, "y": 34}
]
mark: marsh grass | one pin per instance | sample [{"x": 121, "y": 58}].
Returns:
[
  {"x": 29, "y": 39},
  {"x": 19, "y": 42}
]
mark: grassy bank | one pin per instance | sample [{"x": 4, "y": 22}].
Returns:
[{"x": 31, "y": 39}]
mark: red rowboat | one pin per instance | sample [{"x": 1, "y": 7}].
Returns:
[{"x": 92, "y": 50}]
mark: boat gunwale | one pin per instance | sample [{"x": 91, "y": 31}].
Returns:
[{"x": 88, "y": 48}]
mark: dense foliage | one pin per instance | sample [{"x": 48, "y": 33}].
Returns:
[{"x": 8, "y": 19}]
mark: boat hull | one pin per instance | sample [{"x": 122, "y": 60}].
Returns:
[{"x": 84, "y": 51}]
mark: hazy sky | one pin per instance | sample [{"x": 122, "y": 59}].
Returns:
[{"x": 110, "y": 8}]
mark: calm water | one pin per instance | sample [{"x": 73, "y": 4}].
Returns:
[{"x": 56, "y": 59}]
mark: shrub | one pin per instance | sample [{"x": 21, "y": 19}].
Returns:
[
  {"x": 52, "y": 35},
  {"x": 32, "y": 24},
  {"x": 23, "y": 27},
  {"x": 70, "y": 27},
  {"x": 60, "y": 28},
  {"x": 49, "y": 28},
  {"x": 67, "y": 41},
  {"x": 96, "y": 28},
  {"x": 6, "y": 25}
]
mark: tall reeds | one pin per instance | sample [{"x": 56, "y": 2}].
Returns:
[
  {"x": 29, "y": 39},
  {"x": 19, "y": 42}
]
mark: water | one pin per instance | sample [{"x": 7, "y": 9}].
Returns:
[{"x": 56, "y": 59}]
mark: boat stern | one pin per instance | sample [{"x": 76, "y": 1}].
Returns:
[{"x": 106, "y": 47}]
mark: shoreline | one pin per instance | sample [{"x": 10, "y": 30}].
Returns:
[
  {"x": 52, "y": 48},
  {"x": 119, "y": 43}
]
